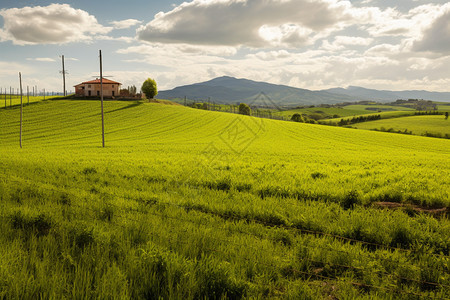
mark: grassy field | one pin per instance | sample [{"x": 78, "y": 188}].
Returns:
[
  {"x": 384, "y": 115},
  {"x": 345, "y": 111},
  {"x": 378, "y": 108},
  {"x": 187, "y": 204},
  {"x": 444, "y": 107},
  {"x": 324, "y": 112},
  {"x": 419, "y": 125},
  {"x": 6, "y": 101}
]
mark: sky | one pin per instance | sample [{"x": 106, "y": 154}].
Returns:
[{"x": 311, "y": 44}]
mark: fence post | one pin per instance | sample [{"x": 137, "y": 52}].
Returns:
[{"x": 21, "y": 108}]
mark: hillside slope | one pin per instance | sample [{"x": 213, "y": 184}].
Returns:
[
  {"x": 228, "y": 89},
  {"x": 192, "y": 204}
]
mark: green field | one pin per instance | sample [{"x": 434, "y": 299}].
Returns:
[
  {"x": 378, "y": 108},
  {"x": 324, "y": 112},
  {"x": 190, "y": 204},
  {"x": 444, "y": 107},
  {"x": 346, "y": 111},
  {"x": 384, "y": 115},
  {"x": 7, "y": 101},
  {"x": 418, "y": 125}
]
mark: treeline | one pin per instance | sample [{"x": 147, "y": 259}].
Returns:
[
  {"x": 432, "y": 113},
  {"x": 359, "y": 119}
]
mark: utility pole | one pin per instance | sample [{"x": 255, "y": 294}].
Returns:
[
  {"x": 64, "y": 76},
  {"x": 10, "y": 95},
  {"x": 21, "y": 109},
  {"x": 28, "y": 95},
  {"x": 101, "y": 98}
]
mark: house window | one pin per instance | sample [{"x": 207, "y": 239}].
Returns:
[
  {"x": 113, "y": 86},
  {"x": 98, "y": 93},
  {"x": 89, "y": 86}
]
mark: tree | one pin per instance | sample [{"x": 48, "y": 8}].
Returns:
[
  {"x": 297, "y": 118},
  {"x": 244, "y": 109},
  {"x": 149, "y": 88},
  {"x": 446, "y": 115}
]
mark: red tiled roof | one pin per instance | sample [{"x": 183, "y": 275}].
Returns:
[{"x": 98, "y": 81}]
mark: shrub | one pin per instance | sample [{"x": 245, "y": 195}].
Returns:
[
  {"x": 297, "y": 118},
  {"x": 149, "y": 88},
  {"x": 244, "y": 109}
]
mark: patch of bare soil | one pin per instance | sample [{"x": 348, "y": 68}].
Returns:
[{"x": 412, "y": 208}]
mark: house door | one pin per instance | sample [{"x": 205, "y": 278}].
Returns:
[
  {"x": 113, "y": 93},
  {"x": 89, "y": 93}
]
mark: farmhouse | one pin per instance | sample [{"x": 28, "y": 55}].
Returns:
[{"x": 92, "y": 88}]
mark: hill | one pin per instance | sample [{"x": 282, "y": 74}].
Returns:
[
  {"x": 385, "y": 95},
  {"x": 191, "y": 204},
  {"x": 230, "y": 90},
  {"x": 418, "y": 125}
]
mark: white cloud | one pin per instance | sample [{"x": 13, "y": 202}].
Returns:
[
  {"x": 352, "y": 41},
  {"x": 180, "y": 50},
  {"x": 251, "y": 23},
  {"x": 42, "y": 59},
  {"x": 125, "y": 23},
  {"x": 436, "y": 37},
  {"x": 12, "y": 69},
  {"x": 53, "y": 24}
]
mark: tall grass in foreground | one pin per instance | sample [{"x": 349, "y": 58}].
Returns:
[{"x": 169, "y": 210}]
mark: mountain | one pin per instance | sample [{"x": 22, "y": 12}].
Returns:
[
  {"x": 384, "y": 95},
  {"x": 229, "y": 89}
]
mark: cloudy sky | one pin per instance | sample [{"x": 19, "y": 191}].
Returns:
[{"x": 312, "y": 44}]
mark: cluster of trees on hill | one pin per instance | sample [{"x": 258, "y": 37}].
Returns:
[
  {"x": 359, "y": 119},
  {"x": 422, "y": 113},
  {"x": 130, "y": 91},
  {"x": 418, "y": 104}
]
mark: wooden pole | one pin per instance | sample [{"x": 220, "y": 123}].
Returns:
[
  {"x": 28, "y": 95},
  {"x": 5, "y": 97},
  {"x": 64, "y": 77},
  {"x": 101, "y": 98},
  {"x": 10, "y": 95},
  {"x": 21, "y": 109},
  {"x": 44, "y": 94}
]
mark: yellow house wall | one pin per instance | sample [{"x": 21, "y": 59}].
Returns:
[{"x": 107, "y": 89}]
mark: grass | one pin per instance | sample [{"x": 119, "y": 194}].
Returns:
[
  {"x": 384, "y": 115},
  {"x": 322, "y": 112},
  {"x": 187, "y": 203},
  {"x": 378, "y": 108},
  {"x": 15, "y": 100},
  {"x": 418, "y": 125}
]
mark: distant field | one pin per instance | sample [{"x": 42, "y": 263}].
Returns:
[
  {"x": 419, "y": 125},
  {"x": 384, "y": 115},
  {"x": 376, "y": 108},
  {"x": 15, "y": 100},
  {"x": 191, "y": 204},
  {"x": 324, "y": 111},
  {"x": 444, "y": 107}
]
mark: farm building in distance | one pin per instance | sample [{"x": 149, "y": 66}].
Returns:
[{"x": 92, "y": 88}]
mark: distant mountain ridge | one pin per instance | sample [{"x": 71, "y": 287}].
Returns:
[
  {"x": 229, "y": 90},
  {"x": 385, "y": 95}
]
